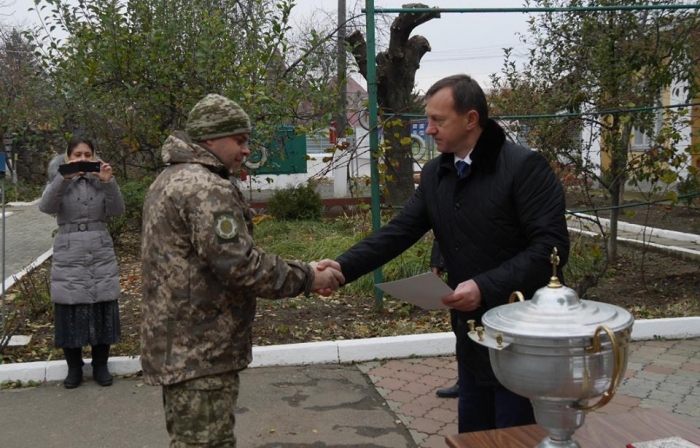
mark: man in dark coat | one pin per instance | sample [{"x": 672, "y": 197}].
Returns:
[{"x": 497, "y": 211}]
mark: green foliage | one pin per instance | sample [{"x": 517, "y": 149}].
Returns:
[
  {"x": 18, "y": 384},
  {"x": 10, "y": 327},
  {"x": 32, "y": 303},
  {"x": 615, "y": 67},
  {"x": 304, "y": 240},
  {"x": 134, "y": 194},
  {"x": 586, "y": 256},
  {"x": 34, "y": 294},
  {"x": 302, "y": 202},
  {"x": 130, "y": 71},
  {"x": 25, "y": 96},
  {"x": 603, "y": 61},
  {"x": 21, "y": 191},
  {"x": 689, "y": 188}
]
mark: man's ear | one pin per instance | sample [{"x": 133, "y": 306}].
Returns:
[{"x": 472, "y": 119}]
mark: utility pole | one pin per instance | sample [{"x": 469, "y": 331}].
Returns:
[
  {"x": 2, "y": 250},
  {"x": 342, "y": 71}
]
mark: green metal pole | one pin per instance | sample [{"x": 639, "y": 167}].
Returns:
[
  {"x": 2, "y": 279},
  {"x": 373, "y": 134}
]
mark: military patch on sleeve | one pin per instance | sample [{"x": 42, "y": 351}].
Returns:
[{"x": 225, "y": 226}]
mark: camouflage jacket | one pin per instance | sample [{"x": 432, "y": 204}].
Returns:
[{"x": 202, "y": 271}]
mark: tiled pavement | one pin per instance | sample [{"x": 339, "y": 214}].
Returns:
[
  {"x": 660, "y": 374},
  {"x": 408, "y": 386},
  {"x": 29, "y": 234}
]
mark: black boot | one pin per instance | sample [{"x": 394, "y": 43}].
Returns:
[
  {"x": 74, "y": 359},
  {"x": 448, "y": 392},
  {"x": 100, "y": 372}
]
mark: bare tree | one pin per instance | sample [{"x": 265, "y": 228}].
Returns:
[{"x": 396, "y": 77}]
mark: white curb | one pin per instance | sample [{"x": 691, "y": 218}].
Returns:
[
  {"x": 23, "y": 204},
  {"x": 340, "y": 352},
  {"x": 667, "y": 328},
  {"x": 11, "y": 280},
  {"x": 647, "y": 231}
]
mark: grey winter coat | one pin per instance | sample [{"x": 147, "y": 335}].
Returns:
[{"x": 84, "y": 267}]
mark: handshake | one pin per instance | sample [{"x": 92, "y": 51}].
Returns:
[{"x": 327, "y": 277}]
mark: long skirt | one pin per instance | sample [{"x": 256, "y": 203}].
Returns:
[{"x": 87, "y": 324}]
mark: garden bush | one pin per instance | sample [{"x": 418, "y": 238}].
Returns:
[
  {"x": 134, "y": 193},
  {"x": 300, "y": 203}
]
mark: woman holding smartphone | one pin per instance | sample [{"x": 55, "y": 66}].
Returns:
[{"x": 84, "y": 275}]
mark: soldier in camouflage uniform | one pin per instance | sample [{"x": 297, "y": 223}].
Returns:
[{"x": 202, "y": 273}]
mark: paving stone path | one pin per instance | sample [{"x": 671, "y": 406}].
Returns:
[
  {"x": 29, "y": 234},
  {"x": 660, "y": 374}
]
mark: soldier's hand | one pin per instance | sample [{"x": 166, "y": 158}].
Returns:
[{"x": 326, "y": 279}]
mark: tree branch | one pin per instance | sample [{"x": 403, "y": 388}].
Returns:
[
  {"x": 417, "y": 46},
  {"x": 359, "y": 51},
  {"x": 403, "y": 26},
  {"x": 316, "y": 46}
]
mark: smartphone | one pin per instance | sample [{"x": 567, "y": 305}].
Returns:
[{"x": 77, "y": 167}]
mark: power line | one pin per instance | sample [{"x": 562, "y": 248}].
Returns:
[
  {"x": 471, "y": 58},
  {"x": 488, "y": 47}
]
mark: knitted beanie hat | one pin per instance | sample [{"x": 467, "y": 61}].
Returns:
[{"x": 216, "y": 116}]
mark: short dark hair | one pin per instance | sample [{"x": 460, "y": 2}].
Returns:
[
  {"x": 75, "y": 141},
  {"x": 466, "y": 93}
]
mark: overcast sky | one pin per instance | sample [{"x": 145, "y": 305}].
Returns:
[{"x": 461, "y": 43}]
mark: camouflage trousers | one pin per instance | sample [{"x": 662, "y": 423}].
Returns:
[{"x": 199, "y": 412}]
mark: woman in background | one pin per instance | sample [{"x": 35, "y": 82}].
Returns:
[{"x": 84, "y": 275}]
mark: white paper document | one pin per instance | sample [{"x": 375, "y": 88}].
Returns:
[{"x": 424, "y": 290}]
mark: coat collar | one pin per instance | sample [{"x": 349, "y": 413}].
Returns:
[{"x": 485, "y": 153}]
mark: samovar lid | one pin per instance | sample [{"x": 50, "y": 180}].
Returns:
[{"x": 555, "y": 312}]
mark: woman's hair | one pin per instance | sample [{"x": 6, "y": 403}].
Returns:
[{"x": 75, "y": 141}]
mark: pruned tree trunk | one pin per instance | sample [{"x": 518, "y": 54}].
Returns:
[
  {"x": 396, "y": 76},
  {"x": 619, "y": 150}
]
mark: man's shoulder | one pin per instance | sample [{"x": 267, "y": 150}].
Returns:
[
  {"x": 191, "y": 177},
  {"x": 432, "y": 165},
  {"x": 517, "y": 153}
]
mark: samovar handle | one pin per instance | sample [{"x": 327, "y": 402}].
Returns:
[
  {"x": 617, "y": 366},
  {"x": 516, "y": 295}
]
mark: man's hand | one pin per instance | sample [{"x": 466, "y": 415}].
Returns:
[
  {"x": 466, "y": 297},
  {"x": 326, "y": 277},
  {"x": 328, "y": 263}
]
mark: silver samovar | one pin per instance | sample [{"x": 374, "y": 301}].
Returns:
[{"x": 558, "y": 351}]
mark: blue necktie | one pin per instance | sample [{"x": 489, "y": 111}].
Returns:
[{"x": 462, "y": 168}]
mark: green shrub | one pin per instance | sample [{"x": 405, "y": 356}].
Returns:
[
  {"x": 11, "y": 326},
  {"x": 21, "y": 191},
  {"x": 586, "y": 256},
  {"x": 34, "y": 294},
  {"x": 690, "y": 189},
  {"x": 134, "y": 193},
  {"x": 301, "y": 203}
]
